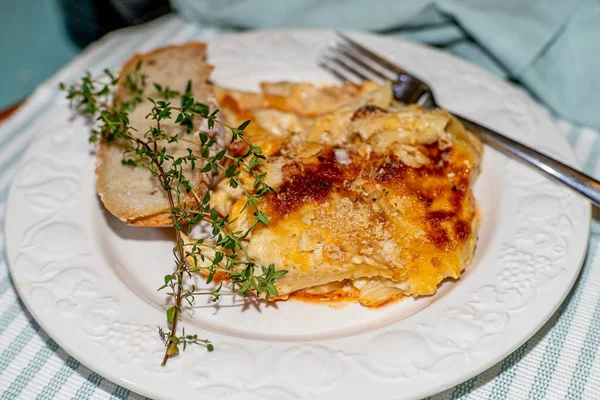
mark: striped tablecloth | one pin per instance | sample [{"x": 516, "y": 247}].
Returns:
[{"x": 561, "y": 361}]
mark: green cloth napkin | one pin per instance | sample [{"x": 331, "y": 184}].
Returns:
[
  {"x": 33, "y": 46},
  {"x": 551, "y": 47}
]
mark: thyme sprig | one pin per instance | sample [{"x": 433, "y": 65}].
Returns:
[{"x": 224, "y": 253}]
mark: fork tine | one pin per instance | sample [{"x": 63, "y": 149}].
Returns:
[
  {"x": 375, "y": 57},
  {"x": 333, "y": 58},
  {"x": 321, "y": 63},
  {"x": 344, "y": 51}
]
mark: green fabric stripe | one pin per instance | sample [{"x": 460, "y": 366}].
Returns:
[
  {"x": 559, "y": 332},
  {"x": 18, "y": 344},
  {"x": 9, "y": 315},
  {"x": 586, "y": 357},
  {"x": 89, "y": 386},
  {"x": 5, "y": 282},
  {"x": 59, "y": 379},
  {"x": 32, "y": 368},
  {"x": 507, "y": 373},
  {"x": 120, "y": 393},
  {"x": 463, "y": 389}
]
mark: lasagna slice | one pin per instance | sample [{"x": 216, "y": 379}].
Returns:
[
  {"x": 372, "y": 199},
  {"x": 288, "y": 110}
]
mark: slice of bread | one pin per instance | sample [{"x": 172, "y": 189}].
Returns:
[{"x": 131, "y": 193}]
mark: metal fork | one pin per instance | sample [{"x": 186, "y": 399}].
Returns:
[{"x": 348, "y": 61}]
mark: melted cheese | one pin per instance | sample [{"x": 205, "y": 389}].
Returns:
[{"x": 371, "y": 194}]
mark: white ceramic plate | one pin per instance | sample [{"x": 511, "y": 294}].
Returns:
[{"x": 91, "y": 281}]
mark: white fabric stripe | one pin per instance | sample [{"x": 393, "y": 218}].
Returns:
[
  {"x": 583, "y": 144},
  {"x": 104, "y": 389},
  {"x": 4, "y": 278},
  {"x": 550, "y": 339},
  {"x": 583, "y": 376},
  {"x": 529, "y": 365},
  {"x": 7, "y": 299},
  {"x": 35, "y": 366},
  {"x": 3, "y": 264},
  {"x": 527, "y": 369},
  {"x": 71, "y": 386},
  {"x": 521, "y": 386},
  {"x": 18, "y": 363},
  {"x": 592, "y": 387},
  {"x": 484, "y": 384},
  {"x": 45, "y": 374},
  {"x": 89, "y": 386},
  {"x": 13, "y": 330},
  {"x": 4, "y": 273}
]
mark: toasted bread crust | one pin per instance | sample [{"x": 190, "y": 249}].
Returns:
[
  {"x": 152, "y": 215},
  {"x": 137, "y": 57}
]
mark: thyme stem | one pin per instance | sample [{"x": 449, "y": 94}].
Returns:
[{"x": 92, "y": 97}]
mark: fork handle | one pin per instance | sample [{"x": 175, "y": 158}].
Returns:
[{"x": 576, "y": 180}]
